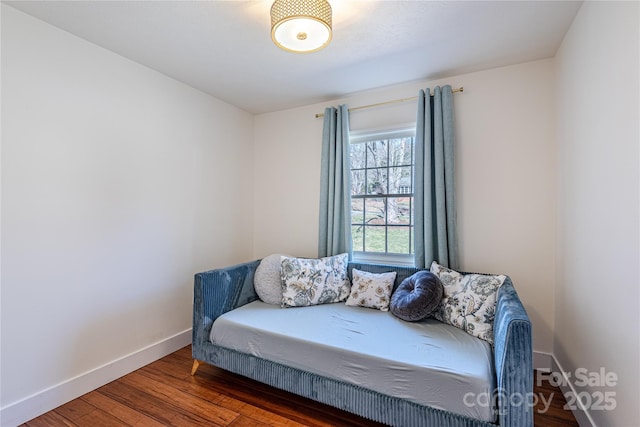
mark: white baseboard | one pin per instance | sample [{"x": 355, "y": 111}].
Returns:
[
  {"x": 581, "y": 413},
  {"x": 37, "y": 404}
]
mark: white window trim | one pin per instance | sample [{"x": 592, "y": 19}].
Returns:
[{"x": 357, "y": 137}]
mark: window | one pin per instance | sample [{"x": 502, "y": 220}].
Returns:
[{"x": 382, "y": 197}]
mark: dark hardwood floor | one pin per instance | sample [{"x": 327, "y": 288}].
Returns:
[{"x": 164, "y": 393}]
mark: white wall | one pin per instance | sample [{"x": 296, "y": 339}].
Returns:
[
  {"x": 118, "y": 184},
  {"x": 505, "y": 176},
  {"x": 597, "y": 298}
]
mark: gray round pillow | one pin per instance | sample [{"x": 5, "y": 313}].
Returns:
[
  {"x": 417, "y": 296},
  {"x": 267, "y": 281}
]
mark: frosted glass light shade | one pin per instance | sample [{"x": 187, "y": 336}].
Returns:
[{"x": 301, "y": 25}]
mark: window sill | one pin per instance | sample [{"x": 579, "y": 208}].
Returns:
[{"x": 384, "y": 259}]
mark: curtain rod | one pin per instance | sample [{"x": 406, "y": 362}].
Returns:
[{"x": 395, "y": 101}]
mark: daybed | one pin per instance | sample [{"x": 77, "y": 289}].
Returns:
[{"x": 365, "y": 376}]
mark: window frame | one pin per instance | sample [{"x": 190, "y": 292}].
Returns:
[{"x": 359, "y": 137}]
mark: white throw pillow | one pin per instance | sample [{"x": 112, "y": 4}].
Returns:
[
  {"x": 371, "y": 290},
  {"x": 469, "y": 301},
  {"x": 267, "y": 281},
  {"x": 314, "y": 281}
]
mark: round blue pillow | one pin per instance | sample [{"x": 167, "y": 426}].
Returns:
[{"x": 417, "y": 296}]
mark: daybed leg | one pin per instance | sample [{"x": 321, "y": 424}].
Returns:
[{"x": 196, "y": 365}]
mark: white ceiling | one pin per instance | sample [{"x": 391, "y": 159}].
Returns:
[{"x": 224, "y": 48}]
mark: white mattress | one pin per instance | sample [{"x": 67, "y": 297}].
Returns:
[{"x": 426, "y": 362}]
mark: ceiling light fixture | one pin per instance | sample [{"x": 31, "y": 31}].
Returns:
[{"x": 301, "y": 26}]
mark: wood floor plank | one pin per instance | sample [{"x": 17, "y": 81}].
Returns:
[
  {"x": 122, "y": 412},
  {"x": 75, "y": 409},
  {"x": 214, "y": 414},
  {"x": 50, "y": 419},
  {"x": 164, "y": 393},
  {"x": 243, "y": 421},
  {"x": 170, "y": 368},
  {"x": 161, "y": 410},
  {"x": 174, "y": 376},
  {"x": 100, "y": 418},
  {"x": 249, "y": 411},
  {"x": 550, "y": 408}
]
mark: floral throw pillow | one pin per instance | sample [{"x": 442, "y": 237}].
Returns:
[
  {"x": 469, "y": 301},
  {"x": 308, "y": 282},
  {"x": 371, "y": 290}
]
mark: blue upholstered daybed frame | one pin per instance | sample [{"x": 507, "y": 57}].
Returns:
[{"x": 222, "y": 290}]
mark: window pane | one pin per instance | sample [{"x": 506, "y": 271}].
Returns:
[
  {"x": 357, "y": 182},
  {"x": 375, "y": 211},
  {"x": 374, "y": 239},
  {"x": 357, "y": 211},
  {"x": 399, "y": 240},
  {"x": 357, "y": 154},
  {"x": 376, "y": 154},
  {"x": 400, "y": 181},
  {"x": 357, "y": 234},
  {"x": 400, "y": 151},
  {"x": 399, "y": 210},
  {"x": 377, "y": 181}
]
